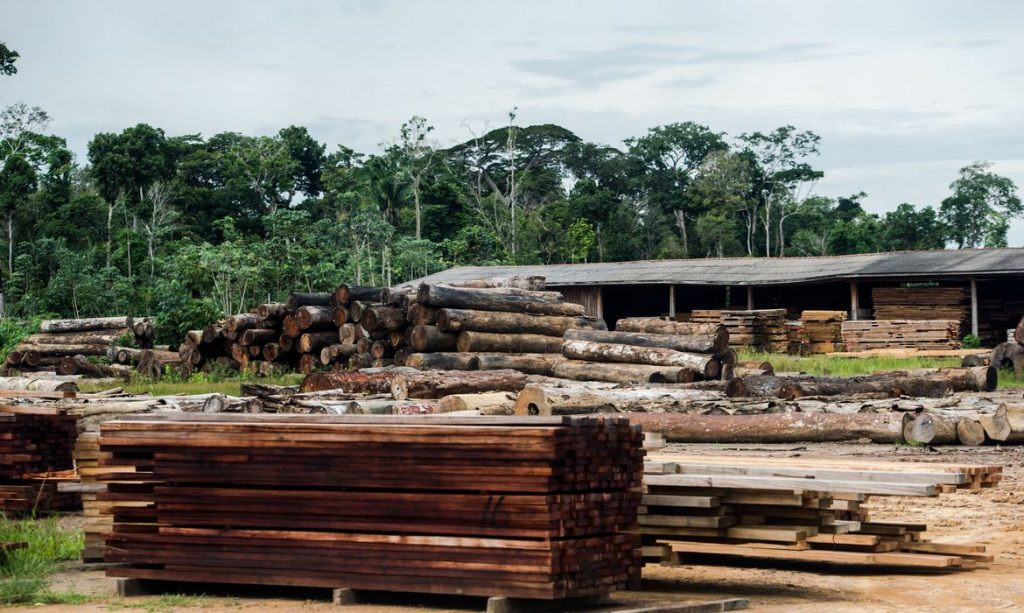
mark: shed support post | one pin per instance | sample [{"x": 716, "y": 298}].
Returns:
[
  {"x": 750, "y": 297},
  {"x": 672, "y": 302},
  {"x": 974, "y": 307},
  {"x": 854, "y": 301}
]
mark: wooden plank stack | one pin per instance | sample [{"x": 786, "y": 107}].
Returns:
[
  {"x": 910, "y": 303},
  {"x": 901, "y": 334},
  {"x": 824, "y": 330},
  {"x": 538, "y": 508},
  {"x": 813, "y": 510},
  {"x": 33, "y": 443},
  {"x": 60, "y": 341},
  {"x": 762, "y": 329}
]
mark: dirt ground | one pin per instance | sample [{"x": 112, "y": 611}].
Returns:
[{"x": 994, "y": 517}]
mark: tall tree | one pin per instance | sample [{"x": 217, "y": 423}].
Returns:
[
  {"x": 17, "y": 181},
  {"x": 7, "y": 59},
  {"x": 417, "y": 156},
  {"x": 907, "y": 229},
  {"x": 979, "y": 210}
]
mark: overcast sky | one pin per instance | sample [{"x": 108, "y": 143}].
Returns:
[{"x": 903, "y": 93}]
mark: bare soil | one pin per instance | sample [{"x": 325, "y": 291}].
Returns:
[{"x": 993, "y": 517}]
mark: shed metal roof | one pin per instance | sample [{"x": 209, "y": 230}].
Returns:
[{"x": 760, "y": 271}]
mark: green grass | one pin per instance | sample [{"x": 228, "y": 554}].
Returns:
[
  {"x": 197, "y": 384},
  {"x": 24, "y": 573}
]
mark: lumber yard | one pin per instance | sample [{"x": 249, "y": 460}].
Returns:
[{"x": 490, "y": 438}]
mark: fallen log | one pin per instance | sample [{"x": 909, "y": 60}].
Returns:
[
  {"x": 976, "y": 379},
  {"x": 381, "y": 317},
  {"x": 258, "y": 336},
  {"x": 546, "y": 400},
  {"x": 422, "y": 315},
  {"x": 533, "y": 282},
  {"x": 439, "y": 361},
  {"x": 930, "y": 384},
  {"x": 461, "y": 320},
  {"x": 514, "y": 300},
  {"x": 694, "y": 343},
  {"x": 582, "y": 370},
  {"x": 654, "y": 325},
  {"x": 340, "y": 315},
  {"x": 432, "y": 339},
  {"x": 1014, "y": 414},
  {"x": 310, "y": 318},
  {"x": 66, "y": 349},
  {"x": 490, "y": 342},
  {"x": 83, "y": 325},
  {"x": 272, "y": 311},
  {"x": 439, "y": 383},
  {"x": 366, "y": 382},
  {"x": 486, "y": 403},
  {"x": 36, "y": 385},
  {"x": 79, "y": 365},
  {"x": 773, "y": 427},
  {"x": 336, "y": 352},
  {"x": 97, "y": 337},
  {"x": 297, "y": 300},
  {"x": 1003, "y": 354},
  {"x": 704, "y": 365},
  {"x": 928, "y": 429},
  {"x": 313, "y": 342},
  {"x": 529, "y": 363},
  {"x": 237, "y": 324},
  {"x": 345, "y": 294}
]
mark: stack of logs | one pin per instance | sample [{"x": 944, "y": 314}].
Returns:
[
  {"x": 33, "y": 444},
  {"x": 647, "y": 349},
  {"x": 762, "y": 329},
  {"x": 824, "y": 330},
  {"x": 67, "y": 345},
  {"x": 901, "y": 334}
]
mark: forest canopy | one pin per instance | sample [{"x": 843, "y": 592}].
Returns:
[{"x": 190, "y": 227}]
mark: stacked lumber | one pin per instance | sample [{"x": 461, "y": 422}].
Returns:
[
  {"x": 824, "y": 330},
  {"x": 542, "y": 508},
  {"x": 796, "y": 337},
  {"x": 811, "y": 510},
  {"x": 34, "y": 441},
  {"x": 910, "y": 303},
  {"x": 63, "y": 344},
  {"x": 901, "y": 333},
  {"x": 762, "y": 329},
  {"x": 646, "y": 349}
]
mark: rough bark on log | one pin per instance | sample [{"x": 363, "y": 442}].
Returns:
[
  {"x": 694, "y": 343},
  {"x": 375, "y": 382},
  {"x": 581, "y": 370},
  {"x": 83, "y": 325},
  {"x": 359, "y": 361},
  {"x": 194, "y": 338},
  {"x": 432, "y": 339},
  {"x": 421, "y": 315},
  {"x": 703, "y": 365},
  {"x": 37, "y": 385},
  {"x": 356, "y": 308},
  {"x": 529, "y": 363},
  {"x": 237, "y": 324},
  {"x": 929, "y": 384},
  {"x": 313, "y": 342},
  {"x": 97, "y": 337},
  {"x": 460, "y": 320},
  {"x": 508, "y": 343},
  {"x": 546, "y": 400},
  {"x": 300, "y": 299},
  {"x": 79, "y": 365},
  {"x": 654, "y": 325},
  {"x": 773, "y": 427},
  {"x": 1003, "y": 354},
  {"x": 486, "y": 403},
  {"x": 272, "y": 311},
  {"x": 439, "y": 361},
  {"x": 310, "y": 318},
  {"x": 1018, "y": 366},
  {"x": 436, "y": 383},
  {"x": 213, "y": 333},
  {"x": 345, "y": 294},
  {"x": 976, "y": 379},
  {"x": 521, "y": 301},
  {"x": 258, "y": 336},
  {"x": 534, "y": 282},
  {"x": 336, "y": 352},
  {"x": 381, "y": 317}
]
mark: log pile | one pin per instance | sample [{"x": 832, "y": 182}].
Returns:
[
  {"x": 913, "y": 303},
  {"x": 34, "y": 442},
  {"x": 762, "y": 329},
  {"x": 799, "y": 509},
  {"x": 63, "y": 344},
  {"x": 824, "y": 330},
  {"x": 646, "y": 349},
  {"x": 901, "y": 333},
  {"x": 544, "y": 508}
]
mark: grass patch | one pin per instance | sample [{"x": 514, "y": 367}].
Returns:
[
  {"x": 24, "y": 573},
  {"x": 197, "y": 384},
  {"x": 843, "y": 367},
  {"x": 1008, "y": 380}
]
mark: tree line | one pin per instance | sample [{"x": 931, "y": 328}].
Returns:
[{"x": 191, "y": 227}]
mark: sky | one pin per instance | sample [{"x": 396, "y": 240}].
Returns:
[{"x": 903, "y": 93}]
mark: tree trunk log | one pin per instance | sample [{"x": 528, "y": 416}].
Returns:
[
  {"x": 694, "y": 343},
  {"x": 83, "y": 325},
  {"x": 970, "y": 432},
  {"x": 66, "y": 350},
  {"x": 545, "y": 400},
  {"x": 996, "y": 425},
  {"x": 37, "y": 385},
  {"x": 438, "y": 383},
  {"x": 508, "y": 343},
  {"x": 654, "y": 325},
  {"x": 382, "y": 318},
  {"x": 359, "y": 361},
  {"x": 929, "y": 429},
  {"x": 258, "y": 336},
  {"x": 272, "y": 311},
  {"x": 514, "y": 300},
  {"x": 1014, "y": 414},
  {"x": 337, "y": 352},
  {"x": 487, "y": 403},
  {"x": 773, "y": 427},
  {"x": 581, "y": 370},
  {"x": 431, "y": 339},
  {"x": 439, "y": 361},
  {"x": 460, "y": 320},
  {"x": 421, "y": 315},
  {"x": 213, "y": 333},
  {"x": 529, "y": 363},
  {"x": 98, "y": 337},
  {"x": 1003, "y": 354},
  {"x": 704, "y": 365},
  {"x": 345, "y": 294},
  {"x": 1018, "y": 334},
  {"x": 235, "y": 325},
  {"x": 928, "y": 384},
  {"x": 271, "y": 352},
  {"x": 313, "y": 342},
  {"x": 297, "y": 300},
  {"x": 312, "y": 318},
  {"x": 340, "y": 315},
  {"x": 381, "y": 349},
  {"x": 79, "y": 365}
]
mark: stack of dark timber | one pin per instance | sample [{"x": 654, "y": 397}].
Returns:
[
  {"x": 646, "y": 349},
  {"x": 910, "y": 303},
  {"x": 799, "y": 509},
  {"x": 796, "y": 337},
  {"x": 902, "y": 333},
  {"x": 824, "y": 330},
  {"x": 763, "y": 329},
  {"x": 64, "y": 345},
  {"x": 34, "y": 442},
  {"x": 542, "y": 508}
]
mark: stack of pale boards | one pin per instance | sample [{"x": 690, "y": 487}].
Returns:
[{"x": 796, "y": 509}]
